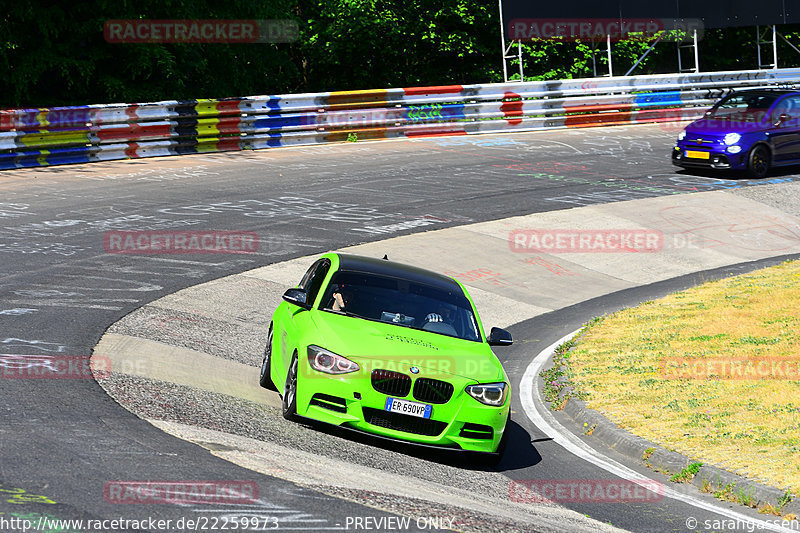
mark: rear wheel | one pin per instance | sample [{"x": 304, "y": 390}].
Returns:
[
  {"x": 758, "y": 161},
  {"x": 265, "y": 379},
  {"x": 289, "y": 403}
]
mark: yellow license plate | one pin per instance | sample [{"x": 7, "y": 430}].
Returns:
[{"x": 696, "y": 154}]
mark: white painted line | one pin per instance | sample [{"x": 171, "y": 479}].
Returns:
[{"x": 537, "y": 412}]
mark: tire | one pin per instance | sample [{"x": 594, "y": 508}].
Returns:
[
  {"x": 289, "y": 403},
  {"x": 501, "y": 448},
  {"x": 758, "y": 161},
  {"x": 265, "y": 378}
]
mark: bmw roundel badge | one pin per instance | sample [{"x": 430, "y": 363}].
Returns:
[{"x": 414, "y": 370}]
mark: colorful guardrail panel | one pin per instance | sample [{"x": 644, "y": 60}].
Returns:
[{"x": 82, "y": 134}]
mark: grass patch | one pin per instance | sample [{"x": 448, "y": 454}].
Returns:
[
  {"x": 777, "y": 509},
  {"x": 646, "y": 456},
  {"x": 768, "y": 508},
  {"x": 558, "y": 385},
  {"x": 730, "y": 493},
  {"x": 783, "y": 500},
  {"x": 686, "y": 475},
  {"x": 737, "y": 422}
]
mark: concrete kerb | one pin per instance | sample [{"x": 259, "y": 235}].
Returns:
[{"x": 709, "y": 478}]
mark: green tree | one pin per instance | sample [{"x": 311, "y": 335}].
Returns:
[{"x": 56, "y": 54}]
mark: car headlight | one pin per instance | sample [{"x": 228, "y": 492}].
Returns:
[
  {"x": 682, "y": 135},
  {"x": 489, "y": 393},
  {"x": 328, "y": 362},
  {"x": 731, "y": 138}
]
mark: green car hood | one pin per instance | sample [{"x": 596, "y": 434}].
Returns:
[{"x": 384, "y": 345}]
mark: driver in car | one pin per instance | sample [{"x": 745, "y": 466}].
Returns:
[
  {"x": 341, "y": 296},
  {"x": 442, "y": 321},
  {"x": 442, "y": 314}
]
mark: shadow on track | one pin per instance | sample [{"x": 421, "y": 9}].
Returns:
[
  {"x": 520, "y": 452},
  {"x": 739, "y": 175}
]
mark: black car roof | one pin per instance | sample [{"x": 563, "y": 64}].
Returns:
[{"x": 383, "y": 267}]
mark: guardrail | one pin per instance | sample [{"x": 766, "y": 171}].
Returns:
[{"x": 80, "y": 134}]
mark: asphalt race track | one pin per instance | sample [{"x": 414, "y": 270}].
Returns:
[{"x": 62, "y": 441}]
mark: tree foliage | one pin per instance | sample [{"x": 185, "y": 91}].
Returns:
[{"x": 55, "y": 54}]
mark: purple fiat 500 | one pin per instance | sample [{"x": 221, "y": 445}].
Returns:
[{"x": 752, "y": 130}]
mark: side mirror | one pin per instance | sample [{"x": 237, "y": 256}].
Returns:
[
  {"x": 297, "y": 297},
  {"x": 783, "y": 117},
  {"x": 499, "y": 337}
]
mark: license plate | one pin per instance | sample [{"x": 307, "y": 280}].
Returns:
[
  {"x": 396, "y": 405},
  {"x": 697, "y": 154}
]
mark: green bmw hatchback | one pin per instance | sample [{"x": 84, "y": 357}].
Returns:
[{"x": 388, "y": 349}]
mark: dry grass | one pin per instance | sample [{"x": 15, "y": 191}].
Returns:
[{"x": 748, "y": 426}]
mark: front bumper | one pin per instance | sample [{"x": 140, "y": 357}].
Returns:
[
  {"x": 715, "y": 159},
  {"x": 461, "y": 423}
]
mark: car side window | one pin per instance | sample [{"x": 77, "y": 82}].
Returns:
[
  {"x": 309, "y": 273},
  {"x": 781, "y": 108},
  {"x": 793, "y": 113},
  {"x": 312, "y": 281},
  {"x": 789, "y": 106}
]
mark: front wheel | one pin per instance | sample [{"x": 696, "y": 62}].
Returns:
[
  {"x": 758, "y": 161},
  {"x": 265, "y": 378},
  {"x": 289, "y": 403},
  {"x": 501, "y": 448}
]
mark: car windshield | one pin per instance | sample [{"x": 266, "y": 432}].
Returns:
[
  {"x": 401, "y": 302},
  {"x": 747, "y": 107}
]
